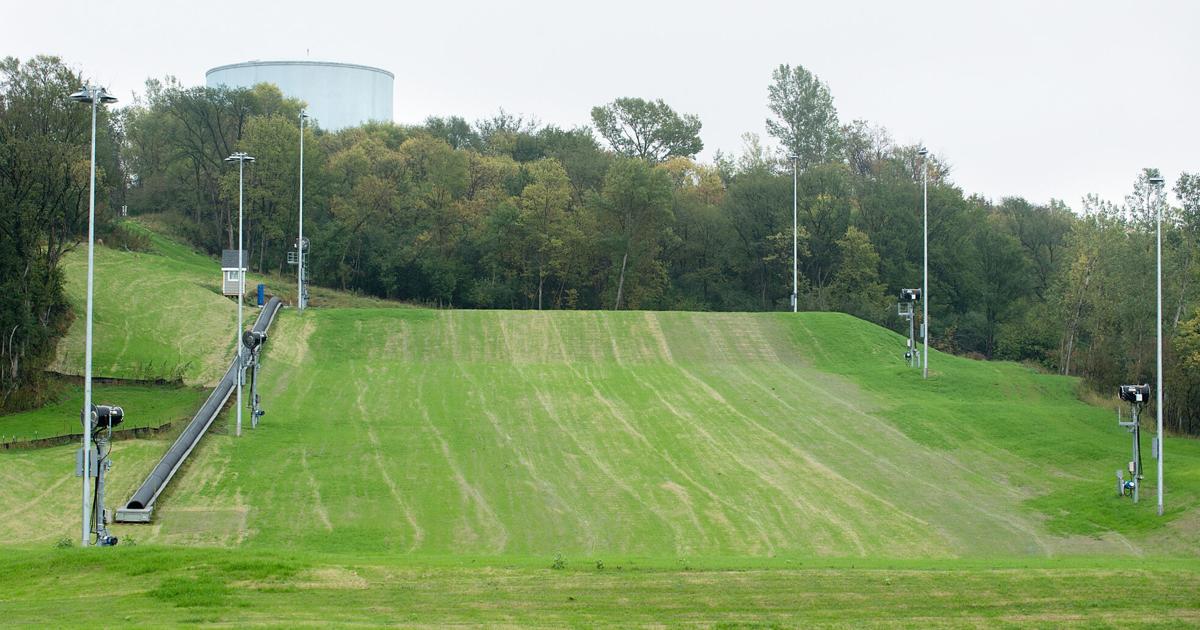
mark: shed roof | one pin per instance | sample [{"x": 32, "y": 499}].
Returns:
[{"x": 229, "y": 259}]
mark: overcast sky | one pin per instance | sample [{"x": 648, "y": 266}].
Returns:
[{"x": 1039, "y": 99}]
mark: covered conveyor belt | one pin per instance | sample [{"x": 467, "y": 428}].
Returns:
[{"x": 140, "y": 506}]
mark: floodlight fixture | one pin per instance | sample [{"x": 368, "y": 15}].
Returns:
[
  {"x": 1157, "y": 180},
  {"x": 252, "y": 339},
  {"x": 90, "y": 94},
  {"x": 910, "y": 295},
  {"x": 107, "y": 416},
  {"x": 1134, "y": 394},
  {"x": 922, "y": 151}
]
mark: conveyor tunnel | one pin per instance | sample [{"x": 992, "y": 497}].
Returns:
[{"x": 141, "y": 505}]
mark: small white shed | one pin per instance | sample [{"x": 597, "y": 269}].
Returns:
[{"x": 229, "y": 271}]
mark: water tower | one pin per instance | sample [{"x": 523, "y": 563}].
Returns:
[{"x": 338, "y": 95}]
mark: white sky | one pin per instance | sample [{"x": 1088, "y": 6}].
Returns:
[{"x": 1040, "y": 99}]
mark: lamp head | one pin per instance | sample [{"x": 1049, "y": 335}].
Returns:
[
  {"x": 87, "y": 95},
  {"x": 106, "y": 416},
  {"x": 1156, "y": 180},
  {"x": 1137, "y": 394},
  {"x": 922, "y": 151},
  {"x": 252, "y": 339}
]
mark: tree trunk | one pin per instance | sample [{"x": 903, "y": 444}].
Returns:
[
  {"x": 541, "y": 283},
  {"x": 621, "y": 281},
  {"x": 1073, "y": 327},
  {"x": 1182, "y": 294}
]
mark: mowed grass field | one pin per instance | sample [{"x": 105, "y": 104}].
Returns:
[
  {"x": 144, "y": 406},
  {"x": 159, "y": 315},
  {"x": 144, "y": 586},
  {"x": 428, "y": 467},
  {"x": 676, "y": 435}
]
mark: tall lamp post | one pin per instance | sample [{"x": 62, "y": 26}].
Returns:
[
  {"x": 1156, "y": 182},
  {"x": 924, "y": 153},
  {"x": 300, "y": 297},
  {"x": 241, "y": 158},
  {"x": 795, "y": 237},
  {"x": 94, "y": 96}
]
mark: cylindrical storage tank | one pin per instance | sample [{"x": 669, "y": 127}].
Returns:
[{"x": 338, "y": 95}]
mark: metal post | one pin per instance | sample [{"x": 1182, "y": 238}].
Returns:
[
  {"x": 1158, "y": 405},
  {"x": 300, "y": 297},
  {"x": 87, "y": 369},
  {"x": 241, "y": 297},
  {"x": 1137, "y": 454},
  {"x": 102, "y": 442},
  {"x": 913, "y": 360},
  {"x": 925, "y": 282},
  {"x": 795, "y": 239}
]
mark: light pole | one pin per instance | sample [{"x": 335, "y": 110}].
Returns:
[
  {"x": 300, "y": 297},
  {"x": 241, "y": 158},
  {"x": 924, "y": 153},
  {"x": 1156, "y": 182},
  {"x": 795, "y": 237},
  {"x": 93, "y": 96}
]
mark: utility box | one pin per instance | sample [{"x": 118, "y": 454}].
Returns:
[{"x": 94, "y": 463}]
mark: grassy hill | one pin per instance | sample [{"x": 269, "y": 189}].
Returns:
[
  {"x": 159, "y": 314},
  {"x": 660, "y": 435},
  {"x": 493, "y": 433},
  {"x": 726, "y": 465}
]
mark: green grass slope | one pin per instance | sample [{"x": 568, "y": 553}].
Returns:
[
  {"x": 668, "y": 435},
  {"x": 144, "y": 406},
  {"x": 158, "y": 314}
]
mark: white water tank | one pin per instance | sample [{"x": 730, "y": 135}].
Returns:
[{"x": 338, "y": 95}]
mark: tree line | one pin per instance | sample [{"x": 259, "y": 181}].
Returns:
[
  {"x": 505, "y": 212},
  {"x": 44, "y": 174}
]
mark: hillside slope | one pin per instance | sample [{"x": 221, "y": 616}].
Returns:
[
  {"x": 652, "y": 434},
  {"x": 158, "y": 314},
  {"x": 662, "y": 435}
]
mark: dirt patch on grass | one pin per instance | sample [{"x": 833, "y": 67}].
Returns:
[{"x": 322, "y": 578}]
